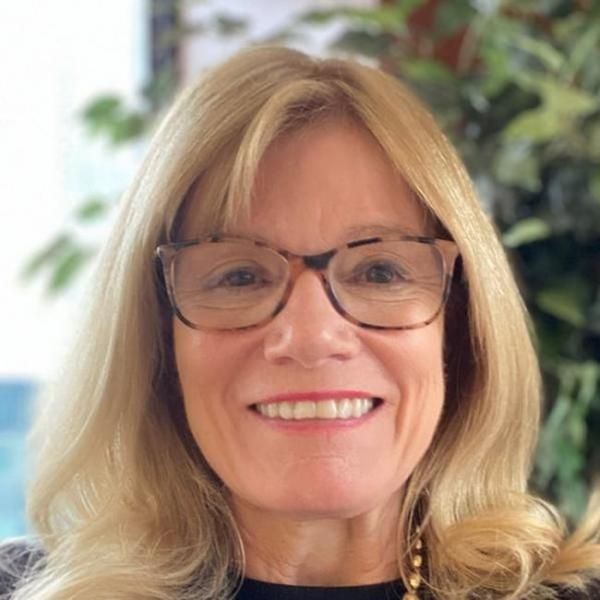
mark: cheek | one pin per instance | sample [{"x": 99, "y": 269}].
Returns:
[
  {"x": 414, "y": 359},
  {"x": 420, "y": 372},
  {"x": 197, "y": 381},
  {"x": 205, "y": 361},
  {"x": 209, "y": 366},
  {"x": 205, "y": 367}
]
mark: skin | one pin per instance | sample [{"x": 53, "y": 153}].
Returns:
[{"x": 318, "y": 507}]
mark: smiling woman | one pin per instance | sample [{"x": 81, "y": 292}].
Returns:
[
  {"x": 383, "y": 384},
  {"x": 323, "y": 386}
]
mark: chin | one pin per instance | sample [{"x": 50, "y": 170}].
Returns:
[{"x": 327, "y": 499}]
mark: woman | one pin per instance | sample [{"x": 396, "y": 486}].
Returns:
[{"x": 324, "y": 386}]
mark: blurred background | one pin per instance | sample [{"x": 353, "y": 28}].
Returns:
[{"x": 514, "y": 83}]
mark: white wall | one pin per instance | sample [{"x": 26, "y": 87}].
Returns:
[{"x": 54, "y": 57}]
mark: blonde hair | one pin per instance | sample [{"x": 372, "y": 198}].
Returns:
[{"x": 122, "y": 500}]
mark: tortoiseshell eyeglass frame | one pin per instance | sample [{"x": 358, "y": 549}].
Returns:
[{"x": 319, "y": 263}]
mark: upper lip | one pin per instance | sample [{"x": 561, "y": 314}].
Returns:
[{"x": 316, "y": 396}]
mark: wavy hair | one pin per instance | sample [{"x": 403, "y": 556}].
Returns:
[{"x": 122, "y": 500}]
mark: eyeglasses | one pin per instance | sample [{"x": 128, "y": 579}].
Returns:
[{"x": 399, "y": 282}]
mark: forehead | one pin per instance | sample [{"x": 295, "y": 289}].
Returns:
[{"x": 324, "y": 185}]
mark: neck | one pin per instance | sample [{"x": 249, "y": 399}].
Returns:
[{"x": 295, "y": 550}]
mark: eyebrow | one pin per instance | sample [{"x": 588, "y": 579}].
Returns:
[
  {"x": 351, "y": 234},
  {"x": 361, "y": 231}
]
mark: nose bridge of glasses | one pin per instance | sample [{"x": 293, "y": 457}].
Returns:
[
  {"x": 314, "y": 262},
  {"x": 318, "y": 262},
  {"x": 299, "y": 264}
]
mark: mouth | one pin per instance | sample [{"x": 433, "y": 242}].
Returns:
[{"x": 324, "y": 409}]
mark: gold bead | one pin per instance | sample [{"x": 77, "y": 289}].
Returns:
[
  {"x": 417, "y": 561},
  {"x": 414, "y": 580},
  {"x": 410, "y": 596},
  {"x": 418, "y": 544}
]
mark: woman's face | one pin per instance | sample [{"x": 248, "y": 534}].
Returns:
[{"x": 315, "y": 189}]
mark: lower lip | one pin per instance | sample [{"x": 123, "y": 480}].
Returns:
[{"x": 316, "y": 425}]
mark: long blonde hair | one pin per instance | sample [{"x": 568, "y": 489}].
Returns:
[{"x": 122, "y": 500}]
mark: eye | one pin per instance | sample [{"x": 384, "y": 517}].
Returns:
[
  {"x": 380, "y": 272},
  {"x": 236, "y": 275},
  {"x": 239, "y": 278}
]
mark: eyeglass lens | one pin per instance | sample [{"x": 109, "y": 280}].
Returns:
[{"x": 233, "y": 284}]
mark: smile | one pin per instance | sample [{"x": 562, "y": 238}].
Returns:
[{"x": 343, "y": 408}]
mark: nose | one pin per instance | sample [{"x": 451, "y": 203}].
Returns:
[{"x": 309, "y": 331}]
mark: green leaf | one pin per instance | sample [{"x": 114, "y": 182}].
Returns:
[
  {"x": 68, "y": 267},
  {"x": 108, "y": 116},
  {"x": 518, "y": 164},
  {"x": 549, "y": 56},
  {"x": 584, "y": 48},
  {"x": 536, "y": 125},
  {"x": 497, "y": 71},
  {"x": 564, "y": 98},
  {"x": 425, "y": 70},
  {"x": 570, "y": 460},
  {"x": 101, "y": 110},
  {"x": 561, "y": 106},
  {"x": 563, "y": 303},
  {"x": 567, "y": 101},
  {"x": 577, "y": 430},
  {"x": 453, "y": 16},
  {"x": 589, "y": 382},
  {"x": 46, "y": 255},
  {"x": 593, "y": 141},
  {"x": 320, "y": 17},
  {"x": 160, "y": 89},
  {"x": 285, "y": 36},
  {"x": 388, "y": 18},
  {"x": 557, "y": 416},
  {"x": 573, "y": 498},
  {"x": 227, "y": 25},
  {"x": 595, "y": 187},
  {"x": 526, "y": 231},
  {"x": 552, "y": 434},
  {"x": 363, "y": 42},
  {"x": 128, "y": 127},
  {"x": 92, "y": 209}
]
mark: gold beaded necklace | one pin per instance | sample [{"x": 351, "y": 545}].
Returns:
[{"x": 414, "y": 578}]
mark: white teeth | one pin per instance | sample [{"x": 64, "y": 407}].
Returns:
[
  {"x": 345, "y": 408},
  {"x": 286, "y": 410},
  {"x": 305, "y": 410},
  {"x": 326, "y": 409}
]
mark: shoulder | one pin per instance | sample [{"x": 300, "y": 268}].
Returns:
[
  {"x": 17, "y": 558},
  {"x": 590, "y": 592}
]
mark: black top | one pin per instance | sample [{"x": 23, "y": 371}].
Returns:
[
  {"x": 259, "y": 590},
  {"x": 19, "y": 557}
]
